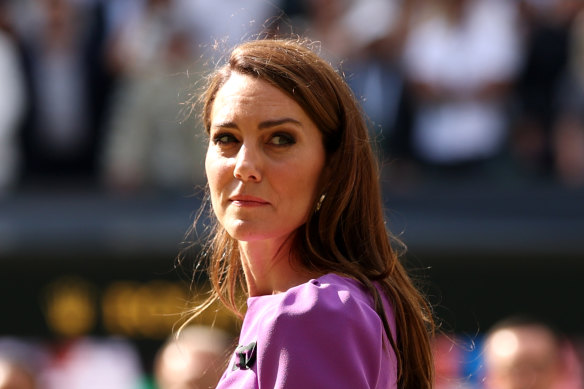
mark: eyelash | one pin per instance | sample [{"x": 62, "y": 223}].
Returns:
[
  {"x": 217, "y": 139},
  {"x": 227, "y": 138},
  {"x": 288, "y": 139}
]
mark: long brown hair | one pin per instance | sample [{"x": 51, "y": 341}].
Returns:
[{"x": 346, "y": 233}]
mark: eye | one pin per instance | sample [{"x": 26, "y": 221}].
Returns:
[
  {"x": 282, "y": 139},
  {"x": 224, "y": 139}
]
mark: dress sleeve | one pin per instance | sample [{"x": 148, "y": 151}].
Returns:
[{"x": 323, "y": 338}]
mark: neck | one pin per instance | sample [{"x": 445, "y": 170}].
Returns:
[{"x": 270, "y": 267}]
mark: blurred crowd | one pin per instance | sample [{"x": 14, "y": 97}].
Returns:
[
  {"x": 194, "y": 358},
  {"x": 518, "y": 352},
  {"x": 100, "y": 94}
]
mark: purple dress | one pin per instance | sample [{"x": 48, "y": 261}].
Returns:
[{"x": 321, "y": 334}]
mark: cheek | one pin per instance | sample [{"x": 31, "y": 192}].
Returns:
[
  {"x": 300, "y": 187},
  {"x": 217, "y": 171},
  {"x": 209, "y": 170},
  {"x": 217, "y": 167}
]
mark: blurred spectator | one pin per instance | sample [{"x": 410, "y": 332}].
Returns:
[
  {"x": 373, "y": 67},
  {"x": 320, "y": 22},
  {"x": 19, "y": 364},
  {"x": 15, "y": 376},
  {"x": 372, "y": 53},
  {"x": 568, "y": 149},
  {"x": 12, "y": 101},
  {"x": 460, "y": 59},
  {"x": 523, "y": 353},
  {"x": 541, "y": 88},
  {"x": 194, "y": 360},
  {"x": 150, "y": 143},
  {"x": 448, "y": 363},
  {"x": 62, "y": 46},
  {"x": 87, "y": 363},
  {"x": 567, "y": 140},
  {"x": 218, "y": 25},
  {"x": 367, "y": 53}
]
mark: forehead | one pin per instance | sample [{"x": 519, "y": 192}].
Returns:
[{"x": 244, "y": 94}]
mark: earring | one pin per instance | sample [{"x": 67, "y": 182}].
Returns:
[{"x": 319, "y": 203}]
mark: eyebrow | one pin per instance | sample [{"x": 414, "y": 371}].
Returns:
[
  {"x": 277, "y": 122},
  {"x": 263, "y": 125}
]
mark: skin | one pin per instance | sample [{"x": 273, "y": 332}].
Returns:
[
  {"x": 522, "y": 358},
  {"x": 12, "y": 376},
  {"x": 264, "y": 161}
]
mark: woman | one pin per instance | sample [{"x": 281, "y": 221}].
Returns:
[{"x": 300, "y": 227}]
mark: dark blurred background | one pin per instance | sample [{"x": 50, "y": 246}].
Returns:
[{"x": 476, "y": 111}]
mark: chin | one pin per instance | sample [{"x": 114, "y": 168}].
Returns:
[
  {"x": 248, "y": 232},
  {"x": 247, "y": 236},
  {"x": 244, "y": 231}
]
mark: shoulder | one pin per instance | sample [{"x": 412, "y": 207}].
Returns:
[
  {"x": 330, "y": 297},
  {"x": 326, "y": 328}
]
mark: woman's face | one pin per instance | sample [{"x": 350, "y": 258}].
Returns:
[{"x": 264, "y": 160}]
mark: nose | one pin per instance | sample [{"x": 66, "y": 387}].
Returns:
[{"x": 247, "y": 164}]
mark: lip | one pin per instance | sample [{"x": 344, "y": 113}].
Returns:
[{"x": 247, "y": 201}]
